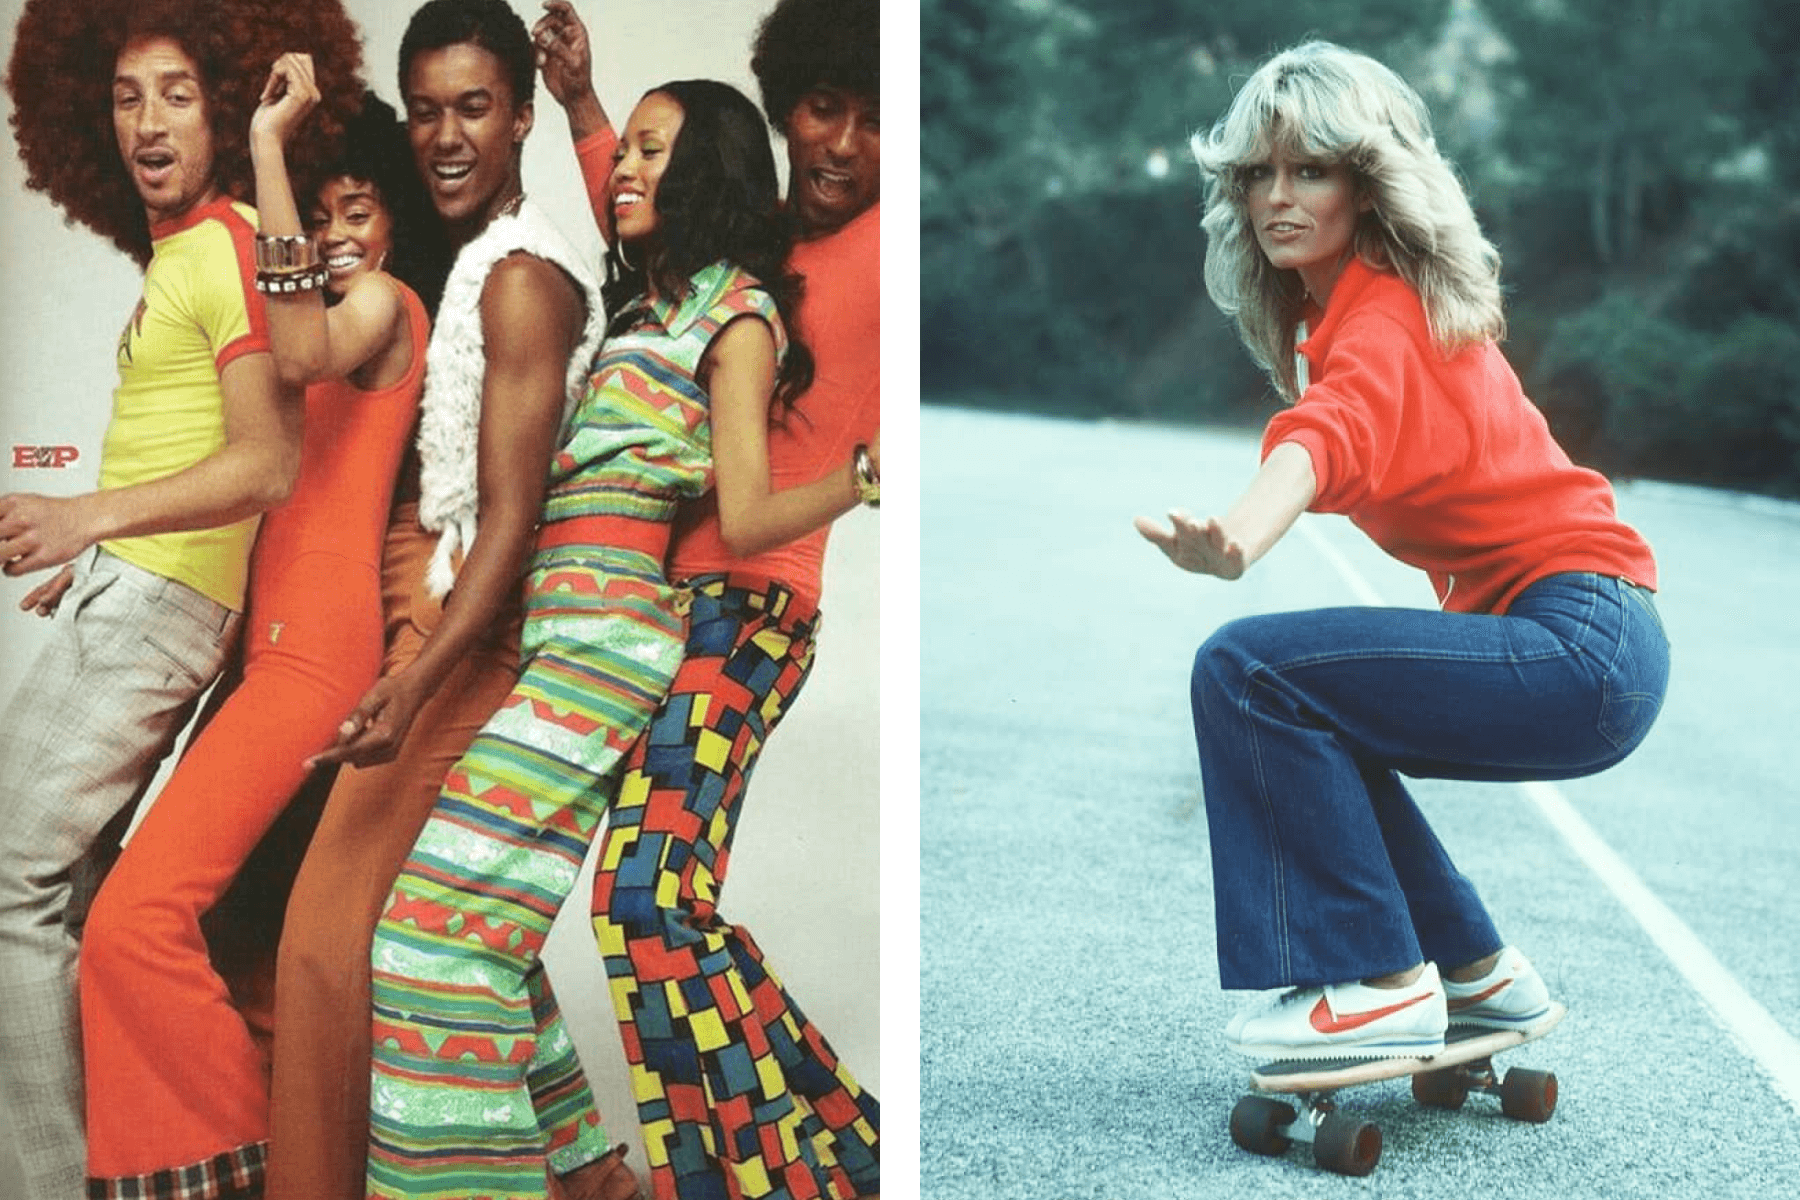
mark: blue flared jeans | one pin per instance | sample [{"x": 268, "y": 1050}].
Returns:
[{"x": 1324, "y": 869}]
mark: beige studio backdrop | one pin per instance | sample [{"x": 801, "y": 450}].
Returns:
[{"x": 804, "y": 875}]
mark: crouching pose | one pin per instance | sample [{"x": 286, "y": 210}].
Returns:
[{"x": 1343, "y": 245}]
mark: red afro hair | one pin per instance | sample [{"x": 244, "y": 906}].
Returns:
[{"x": 60, "y": 80}]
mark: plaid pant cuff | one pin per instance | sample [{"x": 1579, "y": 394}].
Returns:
[{"x": 234, "y": 1175}]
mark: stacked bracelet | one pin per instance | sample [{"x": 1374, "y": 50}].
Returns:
[
  {"x": 862, "y": 473},
  {"x": 271, "y": 283},
  {"x": 288, "y": 263}
]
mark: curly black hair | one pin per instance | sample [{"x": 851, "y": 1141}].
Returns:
[
  {"x": 490, "y": 24},
  {"x": 717, "y": 199},
  {"x": 60, "y": 78},
  {"x": 804, "y": 44},
  {"x": 376, "y": 152}
]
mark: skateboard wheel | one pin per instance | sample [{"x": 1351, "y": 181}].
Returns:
[
  {"x": 1528, "y": 1095},
  {"x": 1257, "y": 1122},
  {"x": 1347, "y": 1146},
  {"x": 1440, "y": 1089}
]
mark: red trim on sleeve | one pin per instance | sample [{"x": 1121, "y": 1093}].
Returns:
[{"x": 243, "y": 244}]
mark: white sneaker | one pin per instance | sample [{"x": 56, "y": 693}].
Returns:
[
  {"x": 1344, "y": 1020},
  {"x": 1511, "y": 996}
]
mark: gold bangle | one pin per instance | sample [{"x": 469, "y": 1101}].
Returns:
[
  {"x": 285, "y": 253},
  {"x": 862, "y": 473}
]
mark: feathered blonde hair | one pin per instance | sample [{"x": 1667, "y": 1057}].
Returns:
[{"x": 1323, "y": 102}]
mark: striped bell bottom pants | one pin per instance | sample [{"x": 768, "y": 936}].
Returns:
[{"x": 455, "y": 1033}]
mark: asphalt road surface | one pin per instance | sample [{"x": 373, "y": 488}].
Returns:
[{"x": 1071, "y": 1016}]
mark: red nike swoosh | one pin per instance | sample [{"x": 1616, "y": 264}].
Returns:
[
  {"x": 1457, "y": 1005},
  {"x": 1327, "y": 1022}
]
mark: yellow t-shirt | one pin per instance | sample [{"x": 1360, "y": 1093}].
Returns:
[{"x": 200, "y": 311}]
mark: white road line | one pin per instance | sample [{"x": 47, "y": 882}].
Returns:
[
  {"x": 1757, "y": 1033},
  {"x": 1761, "y": 1037}
]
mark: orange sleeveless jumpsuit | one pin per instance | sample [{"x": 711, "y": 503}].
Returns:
[{"x": 174, "y": 1078}]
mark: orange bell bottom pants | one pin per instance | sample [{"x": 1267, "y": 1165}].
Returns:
[
  {"x": 320, "y": 1132},
  {"x": 174, "y": 1075}
]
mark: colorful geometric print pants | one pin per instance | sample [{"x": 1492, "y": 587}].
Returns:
[
  {"x": 455, "y": 1029},
  {"x": 731, "y": 1078}
]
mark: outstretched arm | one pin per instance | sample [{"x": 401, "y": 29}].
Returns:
[
  {"x": 1227, "y": 546},
  {"x": 565, "y": 57},
  {"x": 531, "y": 320},
  {"x": 739, "y": 370},
  {"x": 311, "y": 342},
  {"x": 567, "y": 61},
  {"x": 254, "y": 470}
]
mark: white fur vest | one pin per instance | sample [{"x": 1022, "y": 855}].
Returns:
[{"x": 450, "y": 411}]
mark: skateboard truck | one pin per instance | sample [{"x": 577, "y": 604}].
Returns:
[
  {"x": 1525, "y": 1095},
  {"x": 1341, "y": 1143}
]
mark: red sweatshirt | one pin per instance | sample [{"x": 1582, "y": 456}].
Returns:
[{"x": 1443, "y": 462}]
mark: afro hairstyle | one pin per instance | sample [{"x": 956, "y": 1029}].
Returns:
[
  {"x": 60, "y": 79},
  {"x": 804, "y": 44},
  {"x": 376, "y": 151}
]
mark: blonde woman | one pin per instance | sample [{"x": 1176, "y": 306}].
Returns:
[{"x": 1343, "y": 246}]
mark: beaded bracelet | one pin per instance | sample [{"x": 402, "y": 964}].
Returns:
[{"x": 282, "y": 283}]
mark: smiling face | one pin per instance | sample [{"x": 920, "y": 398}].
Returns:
[
  {"x": 834, "y": 158},
  {"x": 465, "y": 131},
  {"x": 353, "y": 228},
  {"x": 638, "y": 166},
  {"x": 160, "y": 121},
  {"x": 1304, "y": 214}
]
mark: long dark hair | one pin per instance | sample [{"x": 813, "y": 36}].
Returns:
[
  {"x": 718, "y": 199},
  {"x": 376, "y": 151}
]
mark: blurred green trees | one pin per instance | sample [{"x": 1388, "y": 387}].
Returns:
[{"x": 1637, "y": 161}]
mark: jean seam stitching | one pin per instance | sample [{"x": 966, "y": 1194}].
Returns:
[
  {"x": 1508, "y": 658},
  {"x": 1284, "y": 951}
]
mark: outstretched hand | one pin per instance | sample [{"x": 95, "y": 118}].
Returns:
[
  {"x": 373, "y": 731},
  {"x": 288, "y": 95},
  {"x": 1198, "y": 546},
  {"x": 563, "y": 53}
]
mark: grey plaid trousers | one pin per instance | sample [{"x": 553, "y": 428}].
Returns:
[{"x": 80, "y": 741}]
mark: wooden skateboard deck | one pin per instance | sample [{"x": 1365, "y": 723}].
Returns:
[
  {"x": 1460, "y": 1046},
  {"x": 1348, "y": 1145}
]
